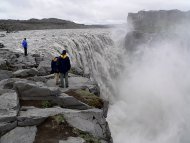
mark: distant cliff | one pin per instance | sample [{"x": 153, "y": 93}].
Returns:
[
  {"x": 36, "y": 24},
  {"x": 157, "y": 21}
]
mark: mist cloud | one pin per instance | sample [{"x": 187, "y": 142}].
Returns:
[{"x": 84, "y": 11}]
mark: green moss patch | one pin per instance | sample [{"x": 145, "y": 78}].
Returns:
[
  {"x": 87, "y": 97},
  {"x": 86, "y": 136}
]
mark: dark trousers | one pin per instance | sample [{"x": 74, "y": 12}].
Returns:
[
  {"x": 25, "y": 51},
  {"x": 64, "y": 79}
]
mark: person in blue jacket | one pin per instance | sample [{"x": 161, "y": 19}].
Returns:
[
  {"x": 54, "y": 69},
  {"x": 25, "y": 46},
  {"x": 64, "y": 67}
]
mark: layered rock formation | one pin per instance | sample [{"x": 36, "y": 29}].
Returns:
[
  {"x": 157, "y": 21},
  {"x": 149, "y": 27},
  {"x": 34, "y": 109}
]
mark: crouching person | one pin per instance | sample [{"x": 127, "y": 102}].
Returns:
[
  {"x": 64, "y": 67},
  {"x": 55, "y": 69}
]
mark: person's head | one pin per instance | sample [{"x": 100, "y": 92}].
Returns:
[
  {"x": 24, "y": 38},
  {"x": 64, "y": 52}
]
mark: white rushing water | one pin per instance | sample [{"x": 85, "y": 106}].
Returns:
[{"x": 153, "y": 100}]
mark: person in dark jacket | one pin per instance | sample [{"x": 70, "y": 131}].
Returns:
[
  {"x": 25, "y": 46},
  {"x": 64, "y": 67},
  {"x": 54, "y": 69}
]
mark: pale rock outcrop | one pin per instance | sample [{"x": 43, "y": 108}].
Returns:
[
  {"x": 91, "y": 121},
  {"x": 25, "y": 73},
  {"x": 20, "y": 135},
  {"x": 9, "y": 107},
  {"x": 5, "y": 74},
  {"x": 28, "y": 90},
  {"x": 44, "y": 67}
]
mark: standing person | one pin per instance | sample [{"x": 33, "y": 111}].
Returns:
[
  {"x": 25, "y": 46},
  {"x": 64, "y": 67},
  {"x": 54, "y": 69}
]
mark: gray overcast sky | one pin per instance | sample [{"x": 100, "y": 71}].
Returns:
[{"x": 84, "y": 11}]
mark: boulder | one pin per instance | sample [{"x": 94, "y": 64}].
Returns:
[
  {"x": 29, "y": 116},
  {"x": 27, "y": 90},
  {"x": 91, "y": 120},
  {"x": 5, "y": 74},
  {"x": 73, "y": 140},
  {"x": 25, "y": 73},
  {"x": 14, "y": 61},
  {"x": 38, "y": 79},
  {"x": 20, "y": 135},
  {"x": 9, "y": 83},
  {"x": 9, "y": 106},
  {"x": 38, "y": 58},
  {"x": 25, "y": 62},
  {"x": 44, "y": 67}
]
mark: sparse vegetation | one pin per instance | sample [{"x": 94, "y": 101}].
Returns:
[
  {"x": 59, "y": 119},
  {"x": 46, "y": 104},
  {"x": 90, "y": 98},
  {"x": 86, "y": 136}
]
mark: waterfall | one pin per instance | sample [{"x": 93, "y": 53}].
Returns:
[
  {"x": 93, "y": 52},
  {"x": 153, "y": 95},
  {"x": 145, "y": 76}
]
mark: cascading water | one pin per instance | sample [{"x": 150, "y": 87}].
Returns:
[
  {"x": 92, "y": 51},
  {"x": 153, "y": 94}
]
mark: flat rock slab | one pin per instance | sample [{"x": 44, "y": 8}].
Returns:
[
  {"x": 91, "y": 120},
  {"x": 44, "y": 67},
  {"x": 77, "y": 82},
  {"x": 73, "y": 140},
  {"x": 9, "y": 106},
  {"x": 20, "y": 135},
  {"x": 70, "y": 102},
  {"x": 29, "y": 116},
  {"x": 26, "y": 73},
  {"x": 25, "y": 61},
  {"x": 9, "y": 83},
  {"x": 26, "y": 89}
]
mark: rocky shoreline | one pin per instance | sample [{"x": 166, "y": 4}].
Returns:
[{"x": 34, "y": 109}]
